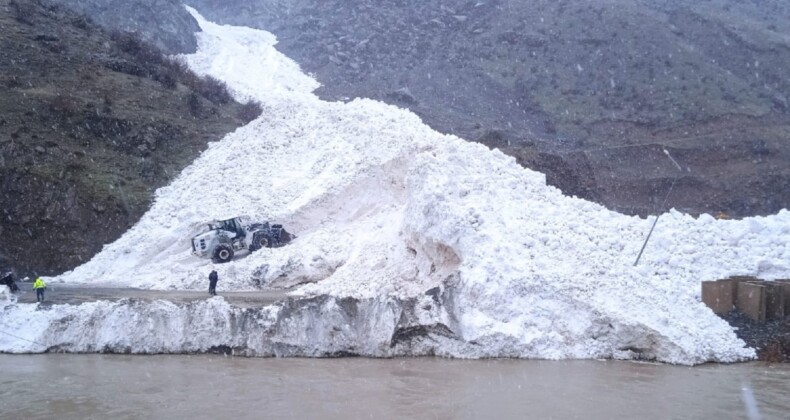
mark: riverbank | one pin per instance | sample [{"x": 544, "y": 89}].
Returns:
[{"x": 770, "y": 339}]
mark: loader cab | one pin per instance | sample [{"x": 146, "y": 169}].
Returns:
[{"x": 231, "y": 225}]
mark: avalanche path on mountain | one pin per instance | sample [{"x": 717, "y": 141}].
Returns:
[{"x": 410, "y": 242}]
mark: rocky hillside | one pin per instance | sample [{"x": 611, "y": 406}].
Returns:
[
  {"x": 163, "y": 23},
  {"x": 91, "y": 123},
  {"x": 588, "y": 92}
]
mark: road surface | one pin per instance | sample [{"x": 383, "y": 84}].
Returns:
[{"x": 77, "y": 294}]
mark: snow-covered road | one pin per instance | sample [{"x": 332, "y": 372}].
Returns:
[{"x": 75, "y": 294}]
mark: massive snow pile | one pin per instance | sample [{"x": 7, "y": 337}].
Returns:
[{"x": 386, "y": 209}]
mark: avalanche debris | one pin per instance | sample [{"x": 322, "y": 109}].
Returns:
[{"x": 410, "y": 242}]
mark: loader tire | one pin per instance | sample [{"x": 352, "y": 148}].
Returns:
[
  {"x": 262, "y": 241},
  {"x": 222, "y": 253},
  {"x": 259, "y": 241}
]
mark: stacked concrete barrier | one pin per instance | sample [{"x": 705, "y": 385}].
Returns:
[
  {"x": 719, "y": 295},
  {"x": 785, "y": 291},
  {"x": 750, "y": 300},
  {"x": 758, "y": 299}
]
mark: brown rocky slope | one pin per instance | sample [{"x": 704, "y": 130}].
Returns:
[{"x": 91, "y": 123}]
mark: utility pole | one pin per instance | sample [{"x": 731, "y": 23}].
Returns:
[{"x": 658, "y": 213}]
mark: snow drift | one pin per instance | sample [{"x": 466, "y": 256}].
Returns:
[{"x": 410, "y": 242}]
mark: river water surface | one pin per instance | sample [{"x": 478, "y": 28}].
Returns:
[{"x": 114, "y": 386}]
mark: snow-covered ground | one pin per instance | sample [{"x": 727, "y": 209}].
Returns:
[{"x": 386, "y": 208}]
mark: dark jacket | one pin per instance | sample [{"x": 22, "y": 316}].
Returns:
[
  {"x": 212, "y": 277},
  {"x": 8, "y": 280}
]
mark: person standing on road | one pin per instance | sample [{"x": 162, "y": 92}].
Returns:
[
  {"x": 8, "y": 280},
  {"x": 39, "y": 286},
  {"x": 8, "y": 286},
  {"x": 212, "y": 283}
]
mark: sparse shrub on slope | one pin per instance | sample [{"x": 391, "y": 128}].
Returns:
[
  {"x": 144, "y": 54},
  {"x": 250, "y": 111},
  {"x": 195, "y": 106},
  {"x": 214, "y": 90},
  {"x": 64, "y": 105},
  {"x": 148, "y": 61}
]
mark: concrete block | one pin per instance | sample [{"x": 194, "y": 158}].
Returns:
[
  {"x": 736, "y": 280},
  {"x": 751, "y": 300},
  {"x": 719, "y": 295},
  {"x": 785, "y": 285},
  {"x": 774, "y": 300}
]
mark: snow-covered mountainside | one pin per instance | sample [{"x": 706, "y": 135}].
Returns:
[{"x": 411, "y": 242}]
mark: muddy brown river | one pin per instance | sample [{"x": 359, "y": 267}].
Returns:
[{"x": 196, "y": 387}]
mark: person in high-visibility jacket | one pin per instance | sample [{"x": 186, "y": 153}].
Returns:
[{"x": 39, "y": 286}]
